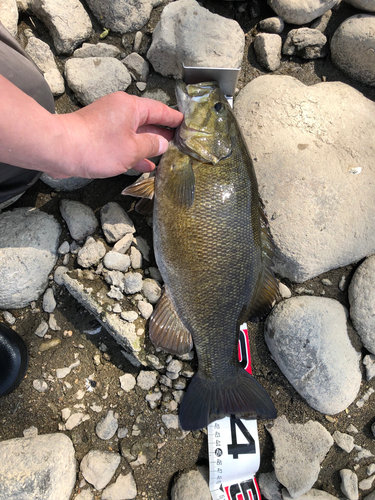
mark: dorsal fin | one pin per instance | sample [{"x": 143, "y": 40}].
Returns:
[{"x": 167, "y": 330}]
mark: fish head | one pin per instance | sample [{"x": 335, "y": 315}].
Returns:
[{"x": 205, "y": 133}]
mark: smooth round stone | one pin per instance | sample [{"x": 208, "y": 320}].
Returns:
[
  {"x": 116, "y": 261},
  {"x": 308, "y": 339},
  {"x": 272, "y": 25}
]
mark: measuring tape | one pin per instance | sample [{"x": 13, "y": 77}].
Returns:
[{"x": 233, "y": 447}]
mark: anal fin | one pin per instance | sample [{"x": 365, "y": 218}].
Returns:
[{"x": 167, "y": 330}]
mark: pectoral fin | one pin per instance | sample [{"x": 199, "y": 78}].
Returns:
[
  {"x": 181, "y": 182},
  {"x": 144, "y": 188},
  {"x": 167, "y": 330}
]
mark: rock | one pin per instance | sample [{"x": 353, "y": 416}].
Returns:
[
  {"x": 41, "y": 54},
  {"x": 37, "y": 467},
  {"x": 115, "y": 278},
  {"x": 345, "y": 441},
  {"x": 299, "y": 450},
  {"x": 116, "y": 261},
  {"x": 115, "y": 222},
  {"x": 29, "y": 240},
  {"x": 40, "y": 385},
  {"x": 85, "y": 495},
  {"x": 362, "y": 302},
  {"x": 145, "y": 308},
  {"x": 308, "y": 339},
  {"x": 9, "y": 318},
  {"x": 68, "y": 23},
  {"x": 97, "y": 50},
  {"x": 127, "y": 382},
  {"x": 367, "y": 5},
  {"x": 94, "y": 77},
  {"x": 311, "y": 495},
  {"x": 366, "y": 484},
  {"x": 122, "y": 16},
  {"x": 91, "y": 253},
  {"x": 360, "y": 403},
  {"x": 269, "y": 486},
  {"x": 171, "y": 421},
  {"x": 352, "y": 48},
  {"x": 107, "y": 427},
  {"x": 123, "y": 489},
  {"x": 74, "y": 420},
  {"x": 69, "y": 184},
  {"x": 284, "y": 291},
  {"x": 135, "y": 258},
  {"x": 80, "y": 219},
  {"x": 129, "y": 316},
  {"x": 9, "y": 16},
  {"x": 146, "y": 380},
  {"x": 349, "y": 484},
  {"x": 122, "y": 245},
  {"x": 151, "y": 290},
  {"x": 369, "y": 362},
  {"x": 193, "y": 484},
  {"x": 322, "y": 22},
  {"x": 142, "y": 246},
  {"x": 297, "y": 12},
  {"x": 132, "y": 283},
  {"x": 271, "y": 25},
  {"x": 49, "y": 302},
  {"x": 307, "y": 124},
  {"x": 98, "y": 467},
  {"x": 306, "y": 43},
  {"x": 268, "y": 50},
  {"x": 138, "y": 41},
  {"x": 191, "y": 35},
  {"x": 138, "y": 67},
  {"x": 41, "y": 329}
]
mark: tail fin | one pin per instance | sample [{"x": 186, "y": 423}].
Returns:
[{"x": 207, "y": 400}]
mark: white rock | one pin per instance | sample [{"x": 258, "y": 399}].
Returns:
[
  {"x": 94, "y": 77},
  {"x": 136, "y": 258},
  {"x": 42, "y": 465},
  {"x": 151, "y": 290},
  {"x": 267, "y": 49},
  {"x": 137, "y": 66},
  {"x": 145, "y": 308},
  {"x": 137, "y": 41},
  {"x": 80, "y": 219},
  {"x": 170, "y": 421},
  {"x": 124, "y": 488},
  {"x": 68, "y": 22},
  {"x": 97, "y": 50},
  {"x": 63, "y": 248},
  {"x": 116, "y": 261},
  {"x": 98, "y": 467},
  {"x": 9, "y": 318},
  {"x": 41, "y": 54},
  {"x": 308, "y": 339},
  {"x": 306, "y": 43},
  {"x": 42, "y": 329},
  {"x": 122, "y": 16},
  {"x": 30, "y": 432},
  {"x": 366, "y": 484},
  {"x": 297, "y": 12},
  {"x": 369, "y": 362},
  {"x": 91, "y": 253},
  {"x": 127, "y": 382},
  {"x": 191, "y": 35},
  {"x": 115, "y": 222},
  {"x": 142, "y": 245},
  {"x": 107, "y": 427},
  {"x": 129, "y": 316},
  {"x": 28, "y": 251},
  {"x": 284, "y": 291},
  {"x": 85, "y": 495},
  {"x": 349, "y": 484},
  {"x": 352, "y": 48},
  {"x": 271, "y": 25},
  {"x": 146, "y": 380},
  {"x": 193, "y": 484},
  {"x": 9, "y": 16},
  {"x": 345, "y": 441},
  {"x": 49, "y": 302},
  {"x": 40, "y": 385},
  {"x": 362, "y": 302},
  {"x": 74, "y": 420},
  {"x": 367, "y": 5},
  {"x": 122, "y": 245},
  {"x": 133, "y": 283},
  {"x": 286, "y": 124}
]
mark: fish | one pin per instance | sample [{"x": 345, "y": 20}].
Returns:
[{"x": 214, "y": 250}]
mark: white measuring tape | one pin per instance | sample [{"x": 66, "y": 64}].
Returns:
[{"x": 233, "y": 448}]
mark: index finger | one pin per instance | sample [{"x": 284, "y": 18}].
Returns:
[{"x": 153, "y": 112}]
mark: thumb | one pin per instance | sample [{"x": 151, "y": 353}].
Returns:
[{"x": 149, "y": 145}]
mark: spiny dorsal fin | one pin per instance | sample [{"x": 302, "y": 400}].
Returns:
[
  {"x": 167, "y": 330},
  {"x": 144, "y": 188}
]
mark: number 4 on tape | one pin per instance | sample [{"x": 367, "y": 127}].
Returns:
[{"x": 234, "y": 447}]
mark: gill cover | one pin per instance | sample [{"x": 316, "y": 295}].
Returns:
[{"x": 204, "y": 133}]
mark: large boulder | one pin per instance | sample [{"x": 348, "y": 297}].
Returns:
[
  {"x": 301, "y": 12},
  {"x": 367, "y": 5},
  {"x": 29, "y": 240},
  {"x": 313, "y": 150},
  {"x": 191, "y": 35}
]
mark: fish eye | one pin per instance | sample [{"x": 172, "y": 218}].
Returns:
[{"x": 218, "y": 107}]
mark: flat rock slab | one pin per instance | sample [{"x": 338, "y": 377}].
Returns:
[
  {"x": 299, "y": 451},
  {"x": 362, "y": 302},
  {"x": 314, "y": 163},
  {"x": 37, "y": 468},
  {"x": 29, "y": 240},
  {"x": 308, "y": 339},
  {"x": 191, "y": 35},
  {"x": 297, "y": 12}
]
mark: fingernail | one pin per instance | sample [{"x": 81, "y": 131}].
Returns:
[{"x": 163, "y": 145}]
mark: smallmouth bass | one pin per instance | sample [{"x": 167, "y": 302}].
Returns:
[{"x": 213, "y": 249}]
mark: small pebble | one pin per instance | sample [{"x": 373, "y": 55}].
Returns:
[
  {"x": 370, "y": 469},
  {"x": 122, "y": 432},
  {"x": 63, "y": 248},
  {"x": 127, "y": 382},
  {"x": 344, "y": 441},
  {"x": 40, "y": 385},
  {"x": 369, "y": 362},
  {"x": 107, "y": 427},
  {"x": 42, "y": 329},
  {"x": 284, "y": 291},
  {"x": 9, "y": 318},
  {"x": 365, "y": 398},
  {"x": 129, "y": 316},
  {"x": 342, "y": 284},
  {"x": 326, "y": 282},
  {"x": 146, "y": 380},
  {"x": 145, "y": 308},
  {"x": 366, "y": 484},
  {"x": 30, "y": 432},
  {"x": 170, "y": 421},
  {"x": 349, "y": 484}
]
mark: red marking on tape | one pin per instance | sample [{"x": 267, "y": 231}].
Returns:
[{"x": 244, "y": 349}]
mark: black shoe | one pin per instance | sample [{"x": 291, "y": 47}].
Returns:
[{"x": 14, "y": 359}]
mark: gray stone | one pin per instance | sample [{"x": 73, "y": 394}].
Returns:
[
  {"x": 142, "y": 246},
  {"x": 80, "y": 219},
  {"x": 41, "y": 54},
  {"x": 40, "y": 467},
  {"x": 124, "y": 488},
  {"x": 352, "y": 48},
  {"x": 116, "y": 261},
  {"x": 322, "y": 22},
  {"x": 41, "y": 329},
  {"x": 115, "y": 222},
  {"x": 297, "y": 12},
  {"x": 127, "y": 382},
  {"x": 267, "y": 48},
  {"x": 269, "y": 486},
  {"x": 69, "y": 184},
  {"x": 284, "y": 291},
  {"x": 129, "y": 316},
  {"x": 94, "y": 77},
  {"x": 191, "y": 35},
  {"x": 58, "y": 274},
  {"x": 369, "y": 362},
  {"x": 9, "y": 318},
  {"x": 360, "y": 403},
  {"x": 138, "y": 41},
  {"x": 349, "y": 484},
  {"x": 306, "y": 43},
  {"x": 193, "y": 484},
  {"x": 345, "y": 441},
  {"x": 138, "y": 67},
  {"x": 362, "y": 302},
  {"x": 107, "y": 427},
  {"x": 91, "y": 253},
  {"x": 121, "y": 15},
  {"x": 9, "y": 16},
  {"x": 367, "y": 5},
  {"x": 146, "y": 380},
  {"x": 122, "y": 245},
  {"x": 136, "y": 258},
  {"x": 98, "y": 467},
  {"x": 49, "y": 302},
  {"x": 68, "y": 22},
  {"x": 28, "y": 251},
  {"x": 171, "y": 421},
  {"x": 310, "y": 495},
  {"x": 366, "y": 484},
  {"x": 308, "y": 339},
  {"x": 115, "y": 278},
  {"x": 299, "y": 451},
  {"x": 75, "y": 420},
  {"x": 310, "y": 123},
  {"x": 40, "y": 385},
  {"x": 151, "y": 290},
  {"x": 271, "y": 25},
  {"x": 97, "y": 50},
  {"x": 132, "y": 283},
  {"x": 64, "y": 248},
  {"x": 174, "y": 366},
  {"x": 145, "y": 308}
]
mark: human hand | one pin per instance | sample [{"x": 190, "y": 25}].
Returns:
[{"x": 115, "y": 133}]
